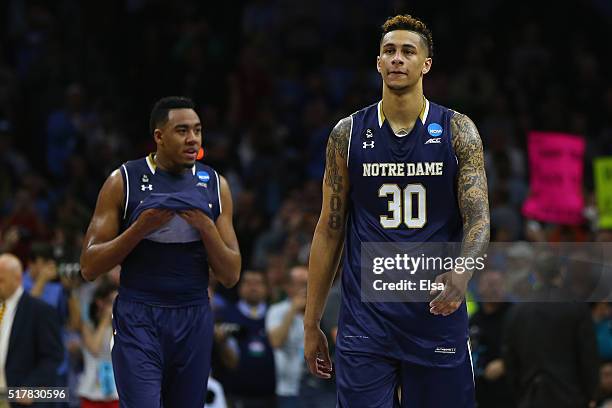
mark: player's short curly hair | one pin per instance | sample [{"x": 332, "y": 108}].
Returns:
[
  {"x": 407, "y": 22},
  {"x": 159, "y": 113}
]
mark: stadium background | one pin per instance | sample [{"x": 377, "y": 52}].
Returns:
[{"x": 270, "y": 79}]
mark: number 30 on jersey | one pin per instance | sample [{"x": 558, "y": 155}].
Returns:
[{"x": 404, "y": 213}]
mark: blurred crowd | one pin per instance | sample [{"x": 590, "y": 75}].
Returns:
[{"x": 270, "y": 79}]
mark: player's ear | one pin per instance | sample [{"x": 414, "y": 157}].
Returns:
[
  {"x": 426, "y": 66},
  {"x": 157, "y": 136},
  {"x": 378, "y": 63}
]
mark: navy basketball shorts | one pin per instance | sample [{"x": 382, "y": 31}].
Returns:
[
  {"x": 372, "y": 381},
  {"x": 161, "y": 355}
]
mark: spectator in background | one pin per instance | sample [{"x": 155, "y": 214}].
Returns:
[
  {"x": 602, "y": 318},
  {"x": 97, "y": 384},
  {"x": 251, "y": 384},
  {"x": 66, "y": 128},
  {"x": 276, "y": 276},
  {"x": 604, "y": 392},
  {"x": 24, "y": 216},
  {"x": 486, "y": 330},
  {"x": 550, "y": 352},
  {"x": 30, "y": 341},
  {"x": 285, "y": 328},
  {"x": 40, "y": 279}
]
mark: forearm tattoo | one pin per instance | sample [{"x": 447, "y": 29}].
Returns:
[
  {"x": 471, "y": 186},
  {"x": 337, "y": 149}
]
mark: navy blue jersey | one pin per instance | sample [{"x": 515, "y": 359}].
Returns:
[
  {"x": 402, "y": 189},
  {"x": 170, "y": 266}
]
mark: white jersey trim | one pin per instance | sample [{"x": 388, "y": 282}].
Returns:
[
  {"x": 469, "y": 350},
  {"x": 348, "y": 153},
  {"x": 425, "y": 112},
  {"x": 219, "y": 193},
  {"x": 127, "y": 190}
]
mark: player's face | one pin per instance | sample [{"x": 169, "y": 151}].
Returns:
[
  {"x": 403, "y": 59},
  {"x": 180, "y": 138}
]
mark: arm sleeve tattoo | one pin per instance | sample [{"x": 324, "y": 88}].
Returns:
[{"x": 471, "y": 186}]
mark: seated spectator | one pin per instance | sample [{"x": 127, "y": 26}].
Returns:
[{"x": 251, "y": 384}]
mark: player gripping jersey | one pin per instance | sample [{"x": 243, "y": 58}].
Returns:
[{"x": 166, "y": 219}]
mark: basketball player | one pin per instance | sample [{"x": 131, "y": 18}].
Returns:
[
  {"x": 421, "y": 348},
  {"x": 166, "y": 219}
]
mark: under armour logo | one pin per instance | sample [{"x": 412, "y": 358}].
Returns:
[
  {"x": 147, "y": 187},
  {"x": 368, "y": 144}
]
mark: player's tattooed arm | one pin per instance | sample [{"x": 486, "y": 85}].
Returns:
[
  {"x": 471, "y": 186},
  {"x": 326, "y": 248},
  {"x": 336, "y": 178}
]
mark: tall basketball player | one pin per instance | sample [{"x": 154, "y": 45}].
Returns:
[{"x": 418, "y": 347}]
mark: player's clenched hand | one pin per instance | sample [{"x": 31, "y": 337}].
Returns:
[
  {"x": 153, "y": 218},
  {"x": 449, "y": 300},
  {"x": 316, "y": 352},
  {"x": 197, "y": 219}
]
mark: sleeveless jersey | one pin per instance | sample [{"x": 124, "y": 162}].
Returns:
[
  {"x": 402, "y": 189},
  {"x": 170, "y": 266}
]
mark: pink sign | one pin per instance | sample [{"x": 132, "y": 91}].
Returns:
[{"x": 555, "y": 192}]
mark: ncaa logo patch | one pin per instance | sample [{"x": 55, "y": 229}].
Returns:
[
  {"x": 434, "y": 129},
  {"x": 203, "y": 176}
]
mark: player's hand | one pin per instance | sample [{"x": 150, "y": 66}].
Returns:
[
  {"x": 316, "y": 352},
  {"x": 197, "y": 219},
  {"x": 153, "y": 218},
  {"x": 449, "y": 300}
]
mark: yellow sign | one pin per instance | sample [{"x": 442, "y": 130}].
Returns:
[{"x": 603, "y": 190}]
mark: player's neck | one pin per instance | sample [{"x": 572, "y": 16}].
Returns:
[
  {"x": 166, "y": 165},
  {"x": 402, "y": 109}
]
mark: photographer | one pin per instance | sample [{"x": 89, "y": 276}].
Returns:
[{"x": 251, "y": 383}]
